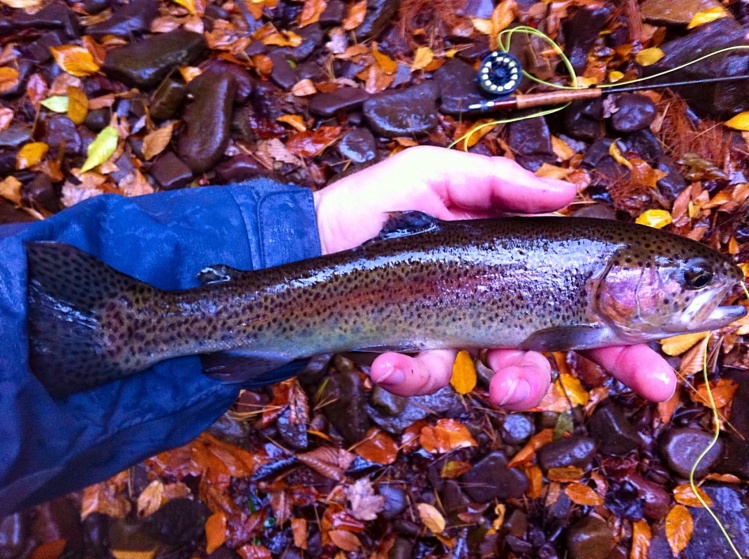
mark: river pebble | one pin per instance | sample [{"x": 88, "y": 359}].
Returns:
[
  {"x": 386, "y": 116},
  {"x": 613, "y": 431},
  {"x": 490, "y": 478},
  {"x": 344, "y": 99},
  {"x": 635, "y": 112},
  {"x": 379, "y": 14},
  {"x": 348, "y": 404},
  {"x": 170, "y": 171},
  {"x": 530, "y": 141},
  {"x": 126, "y": 20},
  {"x": 358, "y": 146},
  {"x": 517, "y": 428},
  {"x": 577, "y": 451},
  {"x": 458, "y": 86},
  {"x": 590, "y": 538},
  {"x": 681, "y": 447},
  {"x": 582, "y": 31}
]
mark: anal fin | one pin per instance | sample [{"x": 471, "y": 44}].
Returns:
[{"x": 250, "y": 369}]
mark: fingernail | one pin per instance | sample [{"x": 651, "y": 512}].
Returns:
[
  {"x": 517, "y": 391},
  {"x": 392, "y": 377}
]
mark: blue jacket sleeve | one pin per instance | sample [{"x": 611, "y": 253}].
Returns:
[{"x": 50, "y": 447}]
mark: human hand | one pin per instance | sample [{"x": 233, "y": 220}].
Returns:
[{"x": 451, "y": 185}]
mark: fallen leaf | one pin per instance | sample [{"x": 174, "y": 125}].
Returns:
[
  {"x": 643, "y": 173},
  {"x": 377, "y": 447},
  {"x": 739, "y": 122},
  {"x": 386, "y": 64},
  {"x": 581, "y": 494},
  {"x": 155, "y": 142},
  {"x": 10, "y": 189},
  {"x": 135, "y": 184},
  {"x": 676, "y": 345},
  {"x": 561, "y": 149},
  {"x": 365, "y": 505},
  {"x": 574, "y": 389},
  {"x": 706, "y": 16},
  {"x": 666, "y": 409},
  {"x": 422, "y": 58},
  {"x": 101, "y": 149},
  {"x": 355, "y": 15},
  {"x": 55, "y": 103},
  {"x": 616, "y": 153},
  {"x": 615, "y": 76},
  {"x": 75, "y": 60},
  {"x": 679, "y": 527},
  {"x": 565, "y": 474},
  {"x": 684, "y": 495},
  {"x": 455, "y": 468},
  {"x": 215, "y": 531},
  {"x": 299, "y": 532},
  {"x": 6, "y": 117},
  {"x": 189, "y": 5},
  {"x": 535, "y": 481},
  {"x": 648, "y": 57},
  {"x": 8, "y": 78},
  {"x": 77, "y": 104},
  {"x": 468, "y": 135},
  {"x": 303, "y": 88},
  {"x": 254, "y": 552},
  {"x": 722, "y": 391},
  {"x": 49, "y": 550},
  {"x": 31, "y": 154},
  {"x": 295, "y": 121},
  {"x": 431, "y": 518},
  {"x": 105, "y": 498},
  {"x": 549, "y": 171},
  {"x": 447, "y": 435},
  {"x": 189, "y": 73},
  {"x": 641, "y": 536},
  {"x": 269, "y": 35},
  {"x": 527, "y": 453},
  {"x": 464, "y": 378},
  {"x": 482, "y": 25},
  {"x": 151, "y": 498},
  {"x": 345, "y": 540},
  {"x": 329, "y": 462},
  {"x": 281, "y": 507},
  {"x": 657, "y": 219},
  {"x": 311, "y": 12},
  {"x": 313, "y": 142},
  {"x": 503, "y": 15}
]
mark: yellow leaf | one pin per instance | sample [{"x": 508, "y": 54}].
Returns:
[
  {"x": 641, "y": 536},
  {"x": 215, "y": 531},
  {"x": 151, "y": 498},
  {"x": 77, "y": 105},
  {"x": 739, "y": 122},
  {"x": 8, "y": 78},
  {"x": 676, "y": 345},
  {"x": 75, "y": 60},
  {"x": 574, "y": 390},
  {"x": 482, "y": 25},
  {"x": 616, "y": 153},
  {"x": 101, "y": 149},
  {"x": 31, "y": 154},
  {"x": 548, "y": 171},
  {"x": 648, "y": 57},
  {"x": 189, "y": 73},
  {"x": 432, "y": 518},
  {"x": 10, "y": 189},
  {"x": 463, "y": 379},
  {"x": 478, "y": 130},
  {"x": 188, "y": 4},
  {"x": 615, "y": 76},
  {"x": 706, "y": 16},
  {"x": 684, "y": 495},
  {"x": 295, "y": 121},
  {"x": 679, "y": 527},
  {"x": 654, "y": 218},
  {"x": 745, "y": 269},
  {"x": 422, "y": 58},
  {"x": 386, "y": 64}
]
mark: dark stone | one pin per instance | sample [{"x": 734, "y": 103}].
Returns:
[
  {"x": 61, "y": 131},
  {"x": 131, "y": 18},
  {"x": 97, "y": 120},
  {"x": 333, "y": 13},
  {"x": 207, "y": 120},
  {"x": 40, "y": 194},
  {"x": 490, "y": 479},
  {"x": 404, "y": 112},
  {"x": 645, "y": 144},
  {"x": 402, "y": 549},
  {"x": 458, "y": 85},
  {"x": 39, "y": 50},
  {"x": 635, "y": 112},
  {"x": 13, "y": 534},
  {"x": 379, "y": 14},
  {"x": 25, "y": 68},
  {"x": 358, "y": 145},
  {"x": 530, "y": 141},
  {"x": 597, "y": 211},
  {"x": 96, "y": 6},
  {"x": 417, "y": 407},
  {"x": 245, "y": 82},
  {"x": 673, "y": 183},
  {"x": 561, "y": 508},
  {"x": 516, "y": 523},
  {"x": 656, "y": 500},
  {"x": 178, "y": 522},
  {"x": 347, "y": 408},
  {"x": 170, "y": 171},
  {"x": 52, "y": 16},
  {"x": 240, "y": 168},
  {"x": 224, "y": 552},
  {"x": 344, "y": 99},
  {"x": 283, "y": 73},
  {"x": 95, "y": 534},
  {"x": 680, "y": 449},
  {"x": 312, "y": 38},
  {"x": 167, "y": 99},
  {"x": 613, "y": 431},
  {"x": 623, "y": 500},
  {"x": 590, "y": 538},
  {"x": 10, "y": 214},
  {"x": 581, "y": 32},
  {"x": 293, "y": 434},
  {"x": 311, "y": 70},
  {"x": 479, "y": 8},
  {"x": 14, "y": 137},
  {"x": 602, "y": 166},
  {"x": 58, "y": 520},
  {"x": 583, "y": 120},
  {"x": 7, "y": 162},
  {"x": 516, "y": 429},
  {"x": 131, "y": 535},
  {"x": 149, "y": 61},
  {"x": 573, "y": 451},
  {"x": 453, "y": 500},
  {"x": 395, "y": 500},
  {"x": 729, "y": 504},
  {"x": 387, "y": 402}
]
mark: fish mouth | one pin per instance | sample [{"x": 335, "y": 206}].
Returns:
[{"x": 723, "y": 316}]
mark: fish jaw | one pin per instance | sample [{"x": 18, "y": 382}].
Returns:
[{"x": 722, "y": 316}]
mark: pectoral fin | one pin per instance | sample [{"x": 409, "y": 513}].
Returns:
[
  {"x": 405, "y": 224},
  {"x": 250, "y": 369},
  {"x": 564, "y": 338},
  {"x": 218, "y": 273}
]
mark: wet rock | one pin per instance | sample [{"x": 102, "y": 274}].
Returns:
[
  {"x": 635, "y": 112},
  {"x": 171, "y": 172},
  {"x": 598, "y": 211},
  {"x": 348, "y": 401},
  {"x": 167, "y": 99},
  {"x": 386, "y": 116},
  {"x": 645, "y": 144},
  {"x": 7, "y": 162},
  {"x": 96, "y": 6},
  {"x": 457, "y": 81},
  {"x": 516, "y": 523},
  {"x": 581, "y": 32},
  {"x": 417, "y": 407},
  {"x": 134, "y": 17},
  {"x": 333, "y": 13},
  {"x": 25, "y": 68},
  {"x": 681, "y": 447},
  {"x": 95, "y": 534},
  {"x": 613, "y": 431},
  {"x": 130, "y": 535},
  {"x": 729, "y": 504},
  {"x": 673, "y": 183},
  {"x": 245, "y": 82},
  {"x": 590, "y": 538},
  {"x": 312, "y": 38},
  {"x": 224, "y": 552},
  {"x": 453, "y": 500},
  {"x": 14, "y": 137},
  {"x": 40, "y": 194},
  {"x": 623, "y": 500},
  {"x": 666, "y": 12},
  {"x": 395, "y": 500},
  {"x": 603, "y": 167},
  {"x": 479, "y": 8},
  {"x": 13, "y": 534},
  {"x": 97, "y": 120},
  {"x": 293, "y": 434},
  {"x": 52, "y": 16},
  {"x": 283, "y": 73},
  {"x": 58, "y": 520},
  {"x": 561, "y": 508},
  {"x": 574, "y": 451},
  {"x": 178, "y": 522},
  {"x": 656, "y": 500},
  {"x": 358, "y": 145},
  {"x": 62, "y": 133},
  {"x": 240, "y": 168},
  {"x": 490, "y": 478},
  {"x": 311, "y": 70},
  {"x": 10, "y": 214},
  {"x": 402, "y": 549},
  {"x": 583, "y": 120},
  {"x": 379, "y": 13},
  {"x": 530, "y": 141},
  {"x": 387, "y": 402},
  {"x": 344, "y": 99},
  {"x": 39, "y": 50},
  {"x": 149, "y": 61},
  {"x": 207, "y": 121},
  {"x": 516, "y": 429}
]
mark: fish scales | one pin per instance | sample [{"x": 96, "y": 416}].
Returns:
[{"x": 539, "y": 283}]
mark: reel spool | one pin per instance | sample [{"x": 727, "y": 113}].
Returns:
[{"x": 500, "y": 73}]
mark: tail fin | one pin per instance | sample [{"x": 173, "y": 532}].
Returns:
[{"x": 68, "y": 291}]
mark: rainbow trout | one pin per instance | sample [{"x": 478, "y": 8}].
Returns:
[{"x": 541, "y": 283}]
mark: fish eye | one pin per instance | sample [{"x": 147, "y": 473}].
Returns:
[{"x": 698, "y": 273}]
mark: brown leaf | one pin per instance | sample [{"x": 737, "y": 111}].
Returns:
[
  {"x": 431, "y": 517},
  {"x": 303, "y": 88},
  {"x": 641, "y": 536},
  {"x": 679, "y": 527},
  {"x": 281, "y": 507},
  {"x": 365, "y": 505},
  {"x": 447, "y": 435},
  {"x": 581, "y": 494},
  {"x": 8, "y": 78},
  {"x": 455, "y": 468},
  {"x": 502, "y": 16},
  {"x": 97, "y": 51},
  {"x": 6, "y": 117},
  {"x": 468, "y": 134},
  {"x": 135, "y": 184},
  {"x": 666, "y": 409},
  {"x": 254, "y": 552},
  {"x": 329, "y": 462},
  {"x": 269, "y": 35},
  {"x": 104, "y": 498},
  {"x": 31, "y": 154},
  {"x": 355, "y": 15},
  {"x": 312, "y": 11},
  {"x": 527, "y": 453},
  {"x": 75, "y": 60},
  {"x": 723, "y": 391},
  {"x": 411, "y": 435},
  {"x": 377, "y": 447},
  {"x": 155, "y": 142},
  {"x": 299, "y": 531},
  {"x": 344, "y": 540},
  {"x": 151, "y": 498},
  {"x": 565, "y": 474},
  {"x": 312, "y": 142},
  {"x": 77, "y": 104},
  {"x": 49, "y": 550},
  {"x": 684, "y": 495},
  {"x": 10, "y": 189},
  {"x": 535, "y": 481},
  {"x": 463, "y": 378}
]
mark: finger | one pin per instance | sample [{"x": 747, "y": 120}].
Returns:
[
  {"x": 639, "y": 367},
  {"x": 412, "y": 376},
  {"x": 521, "y": 378}
]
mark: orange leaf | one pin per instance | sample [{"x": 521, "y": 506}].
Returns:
[
  {"x": 386, "y": 64},
  {"x": 355, "y": 15},
  {"x": 581, "y": 494},
  {"x": 722, "y": 391},
  {"x": 295, "y": 121},
  {"x": 49, "y": 550},
  {"x": 312, "y": 11},
  {"x": 679, "y": 527},
  {"x": 565, "y": 474},
  {"x": 104, "y": 498},
  {"x": 77, "y": 104},
  {"x": 299, "y": 531},
  {"x": 8, "y": 78},
  {"x": 10, "y": 189},
  {"x": 378, "y": 447},
  {"x": 641, "y": 536},
  {"x": 313, "y": 142},
  {"x": 527, "y": 453},
  {"x": 31, "y": 154},
  {"x": 155, "y": 142},
  {"x": 463, "y": 379},
  {"x": 215, "y": 531},
  {"x": 411, "y": 435},
  {"x": 468, "y": 135},
  {"x": 502, "y": 16},
  {"x": 151, "y": 498},
  {"x": 535, "y": 481},
  {"x": 684, "y": 495},
  {"x": 329, "y": 462},
  {"x": 269, "y": 35},
  {"x": 445, "y": 436},
  {"x": 254, "y": 552},
  {"x": 574, "y": 390},
  {"x": 455, "y": 468},
  {"x": 431, "y": 517},
  {"x": 666, "y": 409},
  {"x": 75, "y": 60},
  {"x": 345, "y": 540}
]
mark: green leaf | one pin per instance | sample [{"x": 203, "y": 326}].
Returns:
[
  {"x": 101, "y": 148},
  {"x": 56, "y": 103}
]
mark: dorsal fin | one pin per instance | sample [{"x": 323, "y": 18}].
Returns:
[
  {"x": 218, "y": 273},
  {"x": 405, "y": 224}
]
